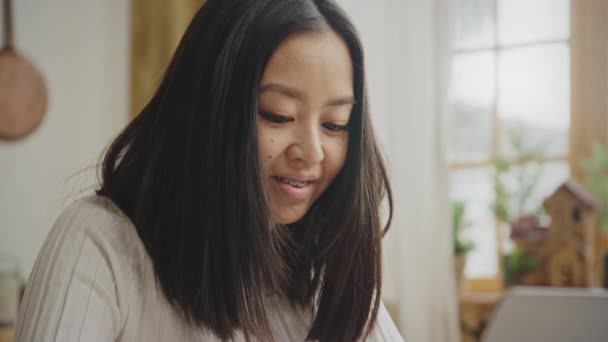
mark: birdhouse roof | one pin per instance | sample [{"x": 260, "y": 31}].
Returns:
[{"x": 580, "y": 193}]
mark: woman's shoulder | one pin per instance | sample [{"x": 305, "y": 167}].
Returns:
[
  {"x": 94, "y": 225},
  {"x": 96, "y": 221},
  {"x": 93, "y": 210},
  {"x": 98, "y": 218}
]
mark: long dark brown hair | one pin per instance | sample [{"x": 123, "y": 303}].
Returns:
[{"x": 186, "y": 172}]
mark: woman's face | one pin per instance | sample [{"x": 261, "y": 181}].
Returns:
[{"x": 304, "y": 106}]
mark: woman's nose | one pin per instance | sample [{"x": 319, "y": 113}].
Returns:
[{"x": 307, "y": 147}]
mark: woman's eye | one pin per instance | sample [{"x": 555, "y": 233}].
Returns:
[
  {"x": 335, "y": 127},
  {"x": 275, "y": 118}
]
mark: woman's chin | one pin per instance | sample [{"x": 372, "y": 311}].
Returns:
[{"x": 288, "y": 216}]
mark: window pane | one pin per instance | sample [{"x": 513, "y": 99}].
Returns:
[
  {"x": 472, "y": 98},
  {"x": 521, "y": 21},
  {"x": 474, "y": 24},
  {"x": 534, "y": 97},
  {"x": 475, "y": 188}
]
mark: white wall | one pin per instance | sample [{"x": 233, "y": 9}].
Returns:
[{"x": 82, "y": 48}]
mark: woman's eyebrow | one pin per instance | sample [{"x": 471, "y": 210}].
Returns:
[
  {"x": 341, "y": 101},
  {"x": 299, "y": 96},
  {"x": 284, "y": 90}
]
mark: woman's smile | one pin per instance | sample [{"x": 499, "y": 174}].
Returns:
[{"x": 294, "y": 188}]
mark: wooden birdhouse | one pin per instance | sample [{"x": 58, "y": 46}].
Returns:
[{"x": 569, "y": 249}]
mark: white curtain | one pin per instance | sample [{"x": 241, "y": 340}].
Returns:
[{"x": 407, "y": 44}]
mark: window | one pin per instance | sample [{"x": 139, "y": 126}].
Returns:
[{"x": 510, "y": 97}]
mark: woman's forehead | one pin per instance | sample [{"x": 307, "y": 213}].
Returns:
[{"x": 311, "y": 64}]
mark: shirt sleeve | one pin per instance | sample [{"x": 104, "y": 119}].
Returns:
[
  {"x": 71, "y": 293},
  {"x": 384, "y": 329}
]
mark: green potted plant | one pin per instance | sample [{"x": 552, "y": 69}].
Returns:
[
  {"x": 461, "y": 245},
  {"x": 512, "y": 204}
]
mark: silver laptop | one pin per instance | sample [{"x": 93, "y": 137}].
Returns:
[{"x": 543, "y": 314}]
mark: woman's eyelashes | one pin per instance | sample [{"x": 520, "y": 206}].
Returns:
[
  {"x": 281, "y": 119},
  {"x": 335, "y": 127},
  {"x": 275, "y": 118}
]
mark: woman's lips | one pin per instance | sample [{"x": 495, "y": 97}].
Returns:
[{"x": 293, "y": 192}]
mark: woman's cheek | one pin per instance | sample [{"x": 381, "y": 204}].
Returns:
[
  {"x": 338, "y": 149},
  {"x": 270, "y": 141}
]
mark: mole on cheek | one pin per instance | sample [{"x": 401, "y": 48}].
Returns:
[{"x": 269, "y": 157}]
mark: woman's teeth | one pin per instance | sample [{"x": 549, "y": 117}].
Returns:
[{"x": 292, "y": 182}]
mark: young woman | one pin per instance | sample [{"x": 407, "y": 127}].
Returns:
[{"x": 242, "y": 203}]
